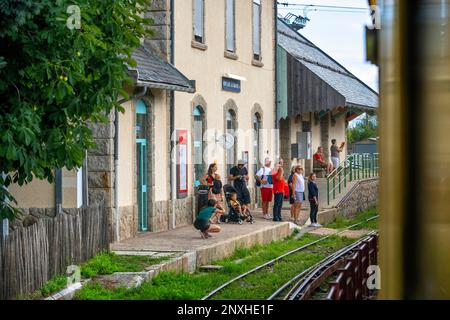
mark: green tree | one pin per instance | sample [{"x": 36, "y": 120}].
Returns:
[
  {"x": 364, "y": 128},
  {"x": 55, "y": 78}
]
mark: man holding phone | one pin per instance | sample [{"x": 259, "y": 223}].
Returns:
[
  {"x": 278, "y": 189},
  {"x": 335, "y": 150}
]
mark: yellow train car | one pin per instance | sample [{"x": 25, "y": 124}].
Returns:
[{"x": 414, "y": 119}]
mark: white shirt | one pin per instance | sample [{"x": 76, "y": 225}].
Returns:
[
  {"x": 263, "y": 173},
  {"x": 300, "y": 183}
]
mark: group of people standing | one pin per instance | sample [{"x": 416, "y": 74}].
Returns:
[
  {"x": 272, "y": 185},
  {"x": 209, "y": 217},
  {"x": 271, "y": 181}
]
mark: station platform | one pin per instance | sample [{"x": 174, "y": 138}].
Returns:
[{"x": 232, "y": 236}]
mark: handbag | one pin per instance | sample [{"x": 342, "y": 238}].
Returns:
[{"x": 257, "y": 181}]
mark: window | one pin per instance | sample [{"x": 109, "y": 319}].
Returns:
[
  {"x": 199, "y": 147},
  {"x": 231, "y": 143},
  {"x": 199, "y": 23},
  {"x": 256, "y": 146},
  {"x": 257, "y": 30},
  {"x": 230, "y": 26}
]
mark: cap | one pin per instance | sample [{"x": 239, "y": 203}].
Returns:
[{"x": 240, "y": 162}]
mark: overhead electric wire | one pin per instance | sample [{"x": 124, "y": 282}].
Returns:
[
  {"x": 325, "y": 10},
  {"x": 287, "y": 4}
]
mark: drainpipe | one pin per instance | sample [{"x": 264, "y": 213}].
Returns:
[
  {"x": 172, "y": 115},
  {"x": 116, "y": 158},
  {"x": 58, "y": 190},
  {"x": 4, "y": 230},
  {"x": 277, "y": 142}
]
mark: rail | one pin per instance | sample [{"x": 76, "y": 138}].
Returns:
[
  {"x": 356, "y": 166},
  {"x": 310, "y": 281},
  {"x": 272, "y": 262},
  {"x": 351, "y": 281}
]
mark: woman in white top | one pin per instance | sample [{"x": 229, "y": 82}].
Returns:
[{"x": 298, "y": 192}]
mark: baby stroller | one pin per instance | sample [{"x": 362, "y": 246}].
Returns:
[{"x": 233, "y": 216}]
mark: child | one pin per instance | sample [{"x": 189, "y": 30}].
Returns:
[
  {"x": 205, "y": 217},
  {"x": 240, "y": 210}
]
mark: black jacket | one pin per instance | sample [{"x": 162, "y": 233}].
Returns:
[{"x": 313, "y": 190}]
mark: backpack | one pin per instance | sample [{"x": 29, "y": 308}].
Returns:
[
  {"x": 216, "y": 187},
  {"x": 257, "y": 182}
]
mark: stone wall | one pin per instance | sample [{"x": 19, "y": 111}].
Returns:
[
  {"x": 128, "y": 222},
  {"x": 161, "y": 219},
  {"x": 159, "y": 42},
  {"x": 363, "y": 196},
  {"x": 101, "y": 168}
]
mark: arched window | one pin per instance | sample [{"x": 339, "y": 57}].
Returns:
[{"x": 199, "y": 145}]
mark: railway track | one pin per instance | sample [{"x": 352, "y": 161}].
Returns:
[
  {"x": 303, "y": 285},
  {"x": 273, "y": 261}
]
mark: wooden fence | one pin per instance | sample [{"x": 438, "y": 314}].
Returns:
[{"x": 31, "y": 256}]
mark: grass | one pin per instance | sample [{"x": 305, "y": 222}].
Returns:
[
  {"x": 342, "y": 223},
  {"x": 176, "y": 286},
  {"x": 54, "y": 285},
  {"x": 108, "y": 263},
  {"x": 261, "y": 285},
  {"x": 184, "y": 286},
  {"x": 102, "y": 264}
]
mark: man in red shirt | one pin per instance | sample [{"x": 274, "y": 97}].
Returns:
[
  {"x": 319, "y": 160},
  {"x": 278, "y": 190}
]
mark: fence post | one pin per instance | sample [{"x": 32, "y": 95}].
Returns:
[
  {"x": 328, "y": 190},
  {"x": 364, "y": 166},
  {"x": 345, "y": 179},
  {"x": 4, "y": 230},
  {"x": 351, "y": 167},
  {"x": 334, "y": 187}
]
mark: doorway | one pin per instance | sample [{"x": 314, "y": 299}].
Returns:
[
  {"x": 257, "y": 163},
  {"x": 141, "y": 164}
]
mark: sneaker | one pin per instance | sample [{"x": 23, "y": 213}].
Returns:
[
  {"x": 208, "y": 235},
  {"x": 267, "y": 217},
  {"x": 318, "y": 224}
]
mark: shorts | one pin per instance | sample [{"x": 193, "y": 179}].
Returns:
[
  {"x": 266, "y": 194},
  {"x": 201, "y": 224},
  {"x": 299, "y": 197},
  {"x": 335, "y": 162}
]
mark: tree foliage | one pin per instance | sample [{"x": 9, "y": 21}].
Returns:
[
  {"x": 55, "y": 79},
  {"x": 365, "y": 128}
]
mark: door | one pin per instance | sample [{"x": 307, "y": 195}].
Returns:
[{"x": 141, "y": 164}]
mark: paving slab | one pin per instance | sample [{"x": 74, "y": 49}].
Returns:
[
  {"x": 322, "y": 231},
  {"x": 354, "y": 234},
  {"x": 186, "y": 238}
]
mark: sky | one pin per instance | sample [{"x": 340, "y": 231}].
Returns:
[{"x": 340, "y": 34}]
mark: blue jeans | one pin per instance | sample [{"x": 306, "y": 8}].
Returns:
[{"x": 277, "y": 205}]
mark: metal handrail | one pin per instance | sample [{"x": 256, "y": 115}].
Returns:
[{"x": 355, "y": 166}]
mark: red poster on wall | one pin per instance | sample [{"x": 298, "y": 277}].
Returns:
[{"x": 182, "y": 164}]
